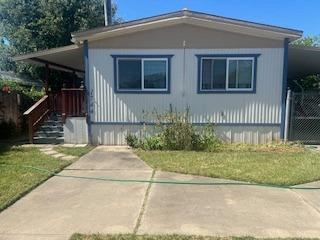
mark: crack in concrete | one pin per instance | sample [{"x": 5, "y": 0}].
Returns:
[
  {"x": 144, "y": 203},
  {"x": 305, "y": 201}
]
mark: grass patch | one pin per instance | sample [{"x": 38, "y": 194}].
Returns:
[
  {"x": 166, "y": 237},
  {"x": 279, "y": 164},
  {"x": 74, "y": 151},
  {"x": 17, "y": 181}
]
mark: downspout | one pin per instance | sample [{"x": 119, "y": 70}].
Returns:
[
  {"x": 284, "y": 87},
  {"x": 87, "y": 85}
]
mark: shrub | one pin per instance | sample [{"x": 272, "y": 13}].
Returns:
[
  {"x": 154, "y": 142},
  {"x": 132, "y": 140},
  {"x": 28, "y": 96},
  {"x": 206, "y": 140},
  {"x": 175, "y": 132},
  {"x": 31, "y": 93}
]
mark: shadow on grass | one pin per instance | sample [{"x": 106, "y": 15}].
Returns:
[{"x": 5, "y": 147}]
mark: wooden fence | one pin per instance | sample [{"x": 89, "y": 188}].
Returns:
[{"x": 10, "y": 108}]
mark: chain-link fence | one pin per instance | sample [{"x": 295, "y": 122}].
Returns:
[{"x": 305, "y": 117}]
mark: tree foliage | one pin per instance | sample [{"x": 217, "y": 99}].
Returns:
[
  {"x": 310, "y": 41},
  {"x": 32, "y": 25},
  {"x": 307, "y": 83},
  {"x": 5, "y": 52},
  {"x": 311, "y": 82}
]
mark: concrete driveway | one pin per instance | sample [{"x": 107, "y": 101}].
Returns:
[{"x": 62, "y": 206}]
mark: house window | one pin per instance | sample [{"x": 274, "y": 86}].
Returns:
[
  {"x": 227, "y": 73},
  {"x": 129, "y": 74},
  {"x": 240, "y": 73},
  {"x": 142, "y": 73},
  {"x": 155, "y": 74},
  {"x": 214, "y": 73}
]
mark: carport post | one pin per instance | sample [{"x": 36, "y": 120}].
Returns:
[
  {"x": 287, "y": 119},
  {"x": 46, "y": 81},
  {"x": 88, "y": 89}
]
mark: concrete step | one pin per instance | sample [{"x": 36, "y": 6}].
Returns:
[
  {"x": 48, "y": 128},
  {"x": 49, "y": 134},
  {"x": 48, "y": 140},
  {"x": 52, "y": 122},
  {"x": 56, "y": 119},
  {"x": 50, "y": 131}
]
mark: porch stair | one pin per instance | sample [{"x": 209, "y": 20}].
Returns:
[{"x": 50, "y": 131}]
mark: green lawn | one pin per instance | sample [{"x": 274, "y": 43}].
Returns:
[
  {"x": 165, "y": 237},
  {"x": 271, "y": 165},
  {"x": 74, "y": 151},
  {"x": 16, "y": 181}
]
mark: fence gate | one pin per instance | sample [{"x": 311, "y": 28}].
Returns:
[{"x": 305, "y": 118}]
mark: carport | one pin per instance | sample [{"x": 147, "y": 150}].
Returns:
[
  {"x": 303, "y": 107},
  {"x": 67, "y": 101},
  {"x": 303, "y": 61},
  {"x": 67, "y": 58}
]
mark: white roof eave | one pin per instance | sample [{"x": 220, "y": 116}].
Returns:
[
  {"x": 46, "y": 52},
  {"x": 67, "y": 58},
  {"x": 220, "y": 25}
]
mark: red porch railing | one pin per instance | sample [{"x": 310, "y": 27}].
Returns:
[
  {"x": 55, "y": 101},
  {"x": 70, "y": 103},
  {"x": 36, "y": 115},
  {"x": 73, "y": 103}
]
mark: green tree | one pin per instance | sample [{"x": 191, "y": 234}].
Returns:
[
  {"x": 5, "y": 52},
  {"x": 307, "y": 83},
  {"x": 311, "y": 82},
  {"x": 32, "y": 25},
  {"x": 310, "y": 41}
]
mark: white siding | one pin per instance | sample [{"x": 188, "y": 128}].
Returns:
[
  {"x": 115, "y": 134},
  {"x": 263, "y": 107},
  {"x": 75, "y": 130},
  {"x": 253, "y": 117}
]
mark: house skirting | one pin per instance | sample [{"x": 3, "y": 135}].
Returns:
[
  {"x": 114, "y": 134},
  {"x": 75, "y": 130}
]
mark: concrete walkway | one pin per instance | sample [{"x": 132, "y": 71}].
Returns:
[{"x": 62, "y": 206}]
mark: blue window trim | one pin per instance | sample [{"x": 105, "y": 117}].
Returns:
[
  {"x": 253, "y": 90},
  {"x": 197, "y": 124},
  {"x": 115, "y": 70},
  {"x": 284, "y": 86}
]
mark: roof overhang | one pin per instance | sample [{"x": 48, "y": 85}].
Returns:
[
  {"x": 189, "y": 17},
  {"x": 68, "y": 58},
  {"x": 303, "y": 61}
]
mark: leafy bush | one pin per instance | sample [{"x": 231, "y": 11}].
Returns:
[
  {"x": 155, "y": 142},
  {"x": 30, "y": 93},
  {"x": 175, "y": 132},
  {"x": 148, "y": 143},
  {"x": 307, "y": 83},
  {"x": 28, "y": 96},
  {"x": 206, "y": 140},
  {"x": 132, "y": 140}
]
